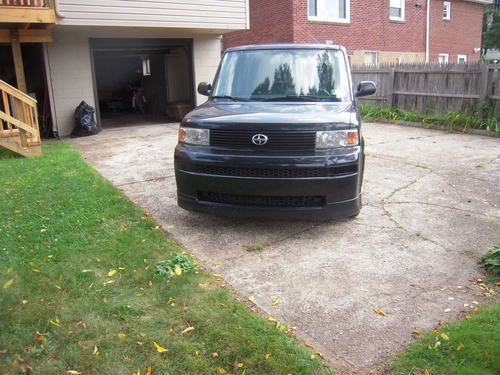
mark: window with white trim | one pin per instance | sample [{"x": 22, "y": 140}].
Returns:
[
  {"x": 371, "y": 58},
  {"x": 446, "y": 10},
  {"x": 329, "y": 10},
  {"x": 397, "y": 10},
  {"x": 443, "y": 58},
  {"x": 462, "y": 59}
]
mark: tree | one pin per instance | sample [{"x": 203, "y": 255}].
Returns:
[
  {"x": 491, "y": 30},
  {"x": 283, "y": 81},
  {"x": 325, "y": 73},
  {"x": 262, "y": 88}
]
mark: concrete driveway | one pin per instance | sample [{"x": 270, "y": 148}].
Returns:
[{"x": 430, "y": 212}]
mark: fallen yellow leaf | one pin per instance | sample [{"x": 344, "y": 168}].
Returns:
[
  {"x": 416, "y": 331},
  {"x": 240, "y": 365},
  {"x": 178, "y": 270},
  {"x": 426, "y": 372},
  {"x": 10, "y": 269},
  {"x": 8, "y": 284},
  {"x": 149, "y": 371},
  {"x": 271, "y": 319},
  {"x": 96, "y": 350},
  {"x": 276, "y": 301},
  {"x": 36, "y": 269},
  {"x": 188, "y": 329},
  {"x": 444, "y": 336},
  {"x": 460, "y": 347},
  {"x": 159, "y": 348},
  {"x": 111, "y": 273},
  {"x": 251, "y": 298},
  {"x": 379, "y": 311},
  {"x": 222, "y": 370},
  {"x": 121, "y": 335},
  {"x": 73, "y": 372},
  {"x": 267, "y": 356},
  {"x": 202, "y": 285},
  {"x": 55, "y": 322}
]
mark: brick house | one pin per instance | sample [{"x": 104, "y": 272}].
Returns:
[{"x": 375, "y": 31}]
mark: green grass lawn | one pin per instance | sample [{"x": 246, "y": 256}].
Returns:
[
  {"x": 465, "y": 347},
  {"x": 79, "y": 291}
]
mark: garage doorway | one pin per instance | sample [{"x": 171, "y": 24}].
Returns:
[{"x": 140, "y": 81}]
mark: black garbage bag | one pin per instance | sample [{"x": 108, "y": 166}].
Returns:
[{"x": 85, "y": 123}]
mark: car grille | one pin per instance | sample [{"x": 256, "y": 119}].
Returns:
[
  {"x": 278, "y": 140},
  {"x": 311, "y": 172},
  {"x": 262, "y": 201}
]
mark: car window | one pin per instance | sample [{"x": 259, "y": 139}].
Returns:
[{"x": 282, "y": 74}]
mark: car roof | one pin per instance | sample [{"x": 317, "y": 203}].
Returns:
[{"x": 253, "y": 47}]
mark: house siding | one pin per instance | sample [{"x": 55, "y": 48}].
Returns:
[{"x": 204, "y": 14}]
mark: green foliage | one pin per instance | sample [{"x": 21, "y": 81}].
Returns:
[
  {"x": 465, "y": 347},
  {"x": 491, "y": 30},
  {"x": 179, "y": 264},
  {"x": 79, "y": 288},
  {"x": 491, "y": 260},
  {"x": 452, "y": 120}
]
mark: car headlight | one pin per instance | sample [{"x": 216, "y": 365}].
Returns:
[
  {"x": 337, "y": 138},
  {"x": 194, "y": 136}
]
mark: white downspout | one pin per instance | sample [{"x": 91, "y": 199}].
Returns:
[{"x": 428, "y": 32}]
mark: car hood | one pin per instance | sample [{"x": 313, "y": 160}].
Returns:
[{"x": 220, "y": 113}]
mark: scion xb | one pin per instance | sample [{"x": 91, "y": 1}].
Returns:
[{"x": 279, "y": 136}]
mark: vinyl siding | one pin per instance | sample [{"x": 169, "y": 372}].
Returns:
[{"x": 221, "y": 15}]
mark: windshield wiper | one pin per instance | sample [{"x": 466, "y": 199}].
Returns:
[
  {"x": 235, "y": 98},
  {"x": 302, "y": 98}
]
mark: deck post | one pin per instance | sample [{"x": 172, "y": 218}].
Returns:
[{"x": 18, "y": 61}]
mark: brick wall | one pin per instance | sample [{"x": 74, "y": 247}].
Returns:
[
  {"x": 270, "y": 22},
  {"x": 460, "y": 35},
  {"x": 370, "y": 28}
]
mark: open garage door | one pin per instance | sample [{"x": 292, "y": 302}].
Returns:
[{"x": 142, "y": 80}]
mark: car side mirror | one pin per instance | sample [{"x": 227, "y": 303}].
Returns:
[
  {"x": 365, "y": 88},
  {"x": 205, "y": 88}
]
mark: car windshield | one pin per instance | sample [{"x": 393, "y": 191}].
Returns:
[{"x": 283, "y": 75}]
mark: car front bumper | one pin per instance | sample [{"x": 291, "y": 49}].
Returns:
[{"x": 331, "y": 195}]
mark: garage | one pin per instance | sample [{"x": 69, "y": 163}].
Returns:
[{"x": 138, "y": 81}]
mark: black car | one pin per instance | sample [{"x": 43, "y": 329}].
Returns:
[{"x": 279, "y": 137}]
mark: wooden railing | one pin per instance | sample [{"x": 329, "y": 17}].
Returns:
[
  {"x": 25, "y": 3},
  {"x": 27, "y": 12},
  {"x": 19, "y": 129}
]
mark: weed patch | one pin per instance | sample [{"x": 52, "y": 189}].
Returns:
[{"x": 452, "y": 121}]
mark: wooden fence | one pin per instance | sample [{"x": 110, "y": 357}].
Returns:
[{"x": 433, "y": 88}]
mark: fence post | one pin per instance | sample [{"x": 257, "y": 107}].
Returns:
[
  {"x": 390, "y": 85},
  {"x": 483, "y": 86}
]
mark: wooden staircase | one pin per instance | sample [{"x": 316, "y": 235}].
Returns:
[{"x": 19, "y": 130}]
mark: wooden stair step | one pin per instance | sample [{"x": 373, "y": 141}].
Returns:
[
  {"x": 9, "y": 133},
  {"x": 14, "y": 144}
]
